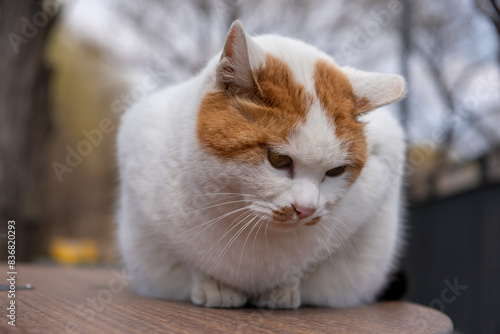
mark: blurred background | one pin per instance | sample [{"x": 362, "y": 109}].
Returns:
[{"x": 69, "y": 69}]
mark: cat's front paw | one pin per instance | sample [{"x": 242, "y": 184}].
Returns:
[
  {"x": 283, "y": 297},
  {"x": 210, "y": 293}
]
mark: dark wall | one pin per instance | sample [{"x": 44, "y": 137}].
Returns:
[{"x": 453, "y": 258}]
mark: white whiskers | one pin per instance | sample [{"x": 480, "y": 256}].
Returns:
[{"x": 231, "y": 241}]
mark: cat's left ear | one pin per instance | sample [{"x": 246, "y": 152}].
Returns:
[
  {"x": 240, "y": 56},
  {"x": 374, "y": 90}
]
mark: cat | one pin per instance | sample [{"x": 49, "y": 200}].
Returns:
[{"x": 268, "y": 179}]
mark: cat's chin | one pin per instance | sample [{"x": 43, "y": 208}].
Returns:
[{"x": 286, "y": 227}]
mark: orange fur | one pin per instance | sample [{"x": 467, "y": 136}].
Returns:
[
  {"x": 336, "y": 96},
  {"x": 284, "y": 214},
  {"x": 242, "y": 127},
  {"x": 314, "y": 221}
]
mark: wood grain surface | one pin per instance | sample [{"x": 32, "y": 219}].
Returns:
[{"x": 97, "y": 300}]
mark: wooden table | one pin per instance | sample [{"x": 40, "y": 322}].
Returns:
[{"x": 97, "y": 300}]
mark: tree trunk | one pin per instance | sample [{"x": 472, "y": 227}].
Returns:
[{"x": 24, "y": 119}]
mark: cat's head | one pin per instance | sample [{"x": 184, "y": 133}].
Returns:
[{"x": 288, "y": 118}]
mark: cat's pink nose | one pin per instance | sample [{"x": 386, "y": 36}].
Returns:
[{"x": 304, "y": 212}]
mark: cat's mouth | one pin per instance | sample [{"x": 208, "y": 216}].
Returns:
[
  {"x": 292, "y": 224},
  {"x": 287, "y": 217},
  {"x": 313, "y": 222}
]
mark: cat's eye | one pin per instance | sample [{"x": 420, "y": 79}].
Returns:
[
  {"x": 336, "y": 171},
  {"x": 279, "y": 160}
]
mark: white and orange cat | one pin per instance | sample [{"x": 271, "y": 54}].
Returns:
[{"x": 272, "y": 177}]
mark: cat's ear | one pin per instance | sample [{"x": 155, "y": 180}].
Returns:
[
  {"x": 374, "y": 90},
  {"x": 238, "y": 59}
]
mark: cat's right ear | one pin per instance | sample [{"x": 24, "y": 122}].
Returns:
[
  {"x": 374, "y": 90},
  {"x": 240, "y": 56}
]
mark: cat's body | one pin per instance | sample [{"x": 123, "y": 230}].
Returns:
[{"x": 208, "y": 213}]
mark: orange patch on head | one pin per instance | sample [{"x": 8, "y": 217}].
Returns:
[
  {"x": 337, "y": 98},
  {"x": 240, "y": 126}
]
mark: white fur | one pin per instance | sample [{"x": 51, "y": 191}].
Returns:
[{"x": 179, "y": 242}]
